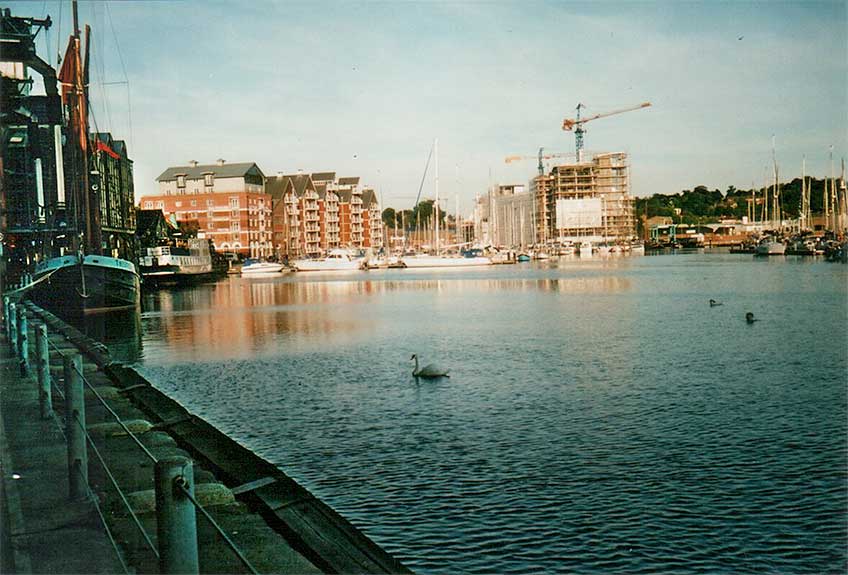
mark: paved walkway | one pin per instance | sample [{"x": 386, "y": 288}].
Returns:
[{"x": 42, "y": 530}]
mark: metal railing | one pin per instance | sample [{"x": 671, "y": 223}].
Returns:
[{"x": 177, "y": 550}]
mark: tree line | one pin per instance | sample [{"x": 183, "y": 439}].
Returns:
[{"x": 702, "y": 205}]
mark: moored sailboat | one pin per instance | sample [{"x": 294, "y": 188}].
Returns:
[
  {"x": 439, "y": 260},
  {"x": 82, "y": 279}
]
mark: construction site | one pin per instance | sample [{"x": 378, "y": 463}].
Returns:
[{"x": 585, "y": 200}]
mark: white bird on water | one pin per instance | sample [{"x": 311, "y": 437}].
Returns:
[{"x": 429, "y": 371}]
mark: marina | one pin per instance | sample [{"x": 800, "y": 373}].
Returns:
[
  {"x": 245, "y": 332},
  {"x": 546, "y": 403}
]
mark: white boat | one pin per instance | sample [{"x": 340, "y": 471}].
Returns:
[
  {"x": 256, "y": 267},
  {"x": 427, "y": 261},
  {"x": 176, "y": 263},
  {"x": 337, "y": 260},
  {"x": 604, "y": 250},
  {"x": 637, "y": 249},
  {"x": 770, "y": 247},
  {"x": 567, "y": 249},
  {"x": 585, "y": 249},
  {"x": 472, "y": 257}
]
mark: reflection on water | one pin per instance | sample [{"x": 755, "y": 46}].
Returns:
[
  {"x": 119, "y": 330},
  {"x": 600, "y": 415},
  {"x": 237, "y": 317}
]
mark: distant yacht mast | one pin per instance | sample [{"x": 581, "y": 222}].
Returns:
[{"x": 436, "y": 210}]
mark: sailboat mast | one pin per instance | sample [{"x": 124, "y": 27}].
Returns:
[
  {"x": 833, "y": 203},
  {"x": 802, "y": 218},
  {"x": 436, "y": 211}
]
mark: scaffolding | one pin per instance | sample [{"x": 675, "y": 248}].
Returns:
[{"x": 603, "y": 180}]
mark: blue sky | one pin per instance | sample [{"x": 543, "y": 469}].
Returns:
[{"x": 364, "y": 88}]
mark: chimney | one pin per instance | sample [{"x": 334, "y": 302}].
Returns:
[
  {"x": 280, "y": 174},
  {"x": 220, "y": 161},
  {"x": 192, "y": 163}
]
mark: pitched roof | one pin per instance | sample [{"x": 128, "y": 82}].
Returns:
[
  {"x": 324, "y": 176},
  {"x": 321, "y": 188},
  {"x": 219, "y": 171},
  {"x": 276, "y": 186},
  {"x": 368, "y": 197},
  {"x": 344, "y": 196},
  {"x": 352, "y": 181}
]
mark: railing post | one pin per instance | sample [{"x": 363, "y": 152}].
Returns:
[
  {"x": 75, "y": 427},
  {"x": 45, "y": 391},
  {"x": 6, "y": 323},
  {"x": 176, "y": 518},
  {"x": 13, "y": 328},
  {"x": 23, "y": 340}
]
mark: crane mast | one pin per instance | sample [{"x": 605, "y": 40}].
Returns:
[{"x": 577, "y": 123}]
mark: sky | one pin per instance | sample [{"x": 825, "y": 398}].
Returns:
[{"x": 364, "y": 88}]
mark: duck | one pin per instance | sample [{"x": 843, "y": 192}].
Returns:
[
  {"x": 714, "y": 303},
  {"x": 428, "y": 371},
  {"x": 749, "y": 317}
]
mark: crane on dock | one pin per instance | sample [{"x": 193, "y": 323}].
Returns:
[
  {"x": 541, "y": 157},
  {"x": 569, "y": 124}
]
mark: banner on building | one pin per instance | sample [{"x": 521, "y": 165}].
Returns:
[{"x": 582, "y": 213}]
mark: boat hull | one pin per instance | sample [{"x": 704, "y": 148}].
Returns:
[
  {"x": 264, "y": 268},
  {"x": 771, "y": 249},
  {"x": 98, "y": 283},
  {"x": 326, "y": 266}
]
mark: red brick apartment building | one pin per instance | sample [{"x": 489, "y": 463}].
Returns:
[{"x": 228, "y": 201}]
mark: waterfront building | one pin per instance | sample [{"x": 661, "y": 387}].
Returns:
[
  {"x": 505, "y": 216},
  {"x": 350, "y": 212},
  {"x": 372, "y": 220},
  {"x": 41, "y": 199},
  {"x": 287, "y": 223},
  {"x": 328, "y": 203},
  {"x": 228, "y": 202},
  {"x": 589, "y": 200},
  {"x": 314, "y": 213},
  {"x": 113, "y": 171}
]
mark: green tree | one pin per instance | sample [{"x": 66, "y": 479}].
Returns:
[{"x": 390, "y": 218}]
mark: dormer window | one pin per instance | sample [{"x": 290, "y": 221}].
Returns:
[
  {"x": 181, "y": 181},
  {"x": 208, "y": 180}
]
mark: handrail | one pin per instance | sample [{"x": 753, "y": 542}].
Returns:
[
  {"x": 118, "y": 489},
  {"x": 55, "y": 347},
  {"x": 217, "y": 527},
  {"x": 117, "y": 417},
  {"x": 90, "y": 441}
]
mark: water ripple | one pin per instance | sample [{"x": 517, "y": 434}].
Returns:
[{"x": 599, "y": 418}]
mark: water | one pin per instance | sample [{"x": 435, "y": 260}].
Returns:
[{"x": 600, "y": 415}]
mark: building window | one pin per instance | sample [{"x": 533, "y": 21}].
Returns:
[
  {"x": 148, "y": 205},
  {"x": 234, "y": 202},
  {"x": 234, "y": 214},
  {"x": 235, "y": 226},
  {"x": 160, "y": 205},
  {"x": 181, "y": 181},
  {"x": 178, "y": 204},
  {"x": 210, "y": 202},
  {"x": 207, "y": 179},
  {"x": 193, "y": 203}
]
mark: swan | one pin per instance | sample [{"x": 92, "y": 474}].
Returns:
[
  {"x": 714, "y": 303},
  {"x": 749, "y": 317},
  {"x": 432, "y": 370}
]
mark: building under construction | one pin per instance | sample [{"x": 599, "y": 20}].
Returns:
[{"x": 585, "y": 201}]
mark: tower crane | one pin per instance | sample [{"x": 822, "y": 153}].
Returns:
[
  {"x": 569, "y": 124},
  {"x": 542, "y": 156}
]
